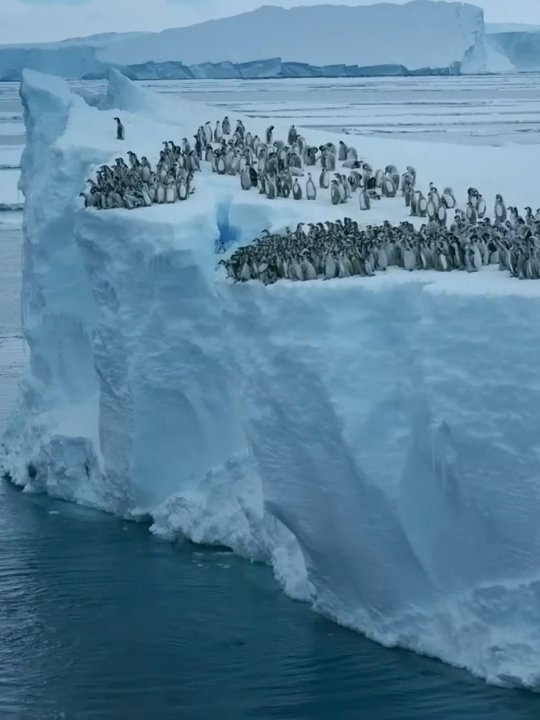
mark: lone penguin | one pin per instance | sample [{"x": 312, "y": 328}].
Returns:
[{"x": 120, "y": 130}]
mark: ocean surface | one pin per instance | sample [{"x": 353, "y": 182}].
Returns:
[{"x": 99, "y": 621}]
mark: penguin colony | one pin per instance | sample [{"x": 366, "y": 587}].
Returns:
[
  {"x": 276, "y": 168},
  {"x": 332, "y": 249},
  {"x": 341, "y": 249},
  {"x": 272, "y": 166},
  {"x": 138, "y": 184}
]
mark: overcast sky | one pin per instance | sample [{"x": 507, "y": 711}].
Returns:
[{"x": 42, "y": 20}]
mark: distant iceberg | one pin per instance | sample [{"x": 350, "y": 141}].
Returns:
[
  {"x": 419, "y": 37},
  {"x": 374, "y": 440}
]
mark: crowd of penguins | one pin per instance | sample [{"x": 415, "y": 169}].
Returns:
[{"x": 332, "y": 249}]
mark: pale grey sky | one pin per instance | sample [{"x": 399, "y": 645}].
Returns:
[{"x": 43, "y": 20}]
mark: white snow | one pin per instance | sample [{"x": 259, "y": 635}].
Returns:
[
  {"x": 417, "y": 34},
  {"x": 375, "y": 440}
]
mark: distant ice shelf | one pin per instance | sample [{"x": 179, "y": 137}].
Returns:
[
  {"x": 375, "y": 440},
  {"x": 421, "y": 37}
]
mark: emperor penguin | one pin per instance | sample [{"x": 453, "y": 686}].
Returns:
[
  {"x": 291, "y": 138},
  {"x": 160, "y": 193},
  {"x": 311, "y": 190},
  {"x": 324, "y": 178},
  {"x": 218, "y": 132},
  {"x": 413, "y": 202},
  {"x": 421, "y": 204},
  {"x": 412, "y": 172},
  {"x": 388, "y": 187},
  {"x": 329, "y": 160},
  {"x": 170, "y": 191},
  {"x": 500, "y": 209},
  {"x": 407, "y": 194},
  {"x": 448, "y": 199},
  {"x": 254, "y": 176},
  {"x": 472, "y": 194},
  {"x": 226, "y": 125},
  {"x": 208, "y": 132},
  {"x": 335, "y": 194},
  {"x": 363, "y": 199},
  {"x": 441, "y": 214},
  {"x": 120, "y": 130},
  {"x": 269, "y": 134},
  {"x": 296, "y": 190},
  {"x": 432, "y": 207},
  {"x": 271, "y": 189},
  {"x": 182, "y": 189},
  {"x": 480, "y": 206},
  {"x": 470, "y": 212},
  {"x": 342, "y": 151},
  {"x": 221, "y": 166},
  {"x": 245, "y": 180}
]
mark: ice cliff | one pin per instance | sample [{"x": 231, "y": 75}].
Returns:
[
  {"x": 325, "y": 40},
  {"x": 416, "y": 34},
  {"x": 376, "y": 441}
]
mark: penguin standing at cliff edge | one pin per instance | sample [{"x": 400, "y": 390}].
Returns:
[{"x": 120, "y": 130}]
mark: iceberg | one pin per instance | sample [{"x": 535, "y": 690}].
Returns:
[
  {"x": 418, "y": 37},
  {"x": 376, "y": 441}
]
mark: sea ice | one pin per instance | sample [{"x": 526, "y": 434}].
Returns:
[
  {"x": 9, "y": 193},
  {"x": 376, "y": 440},
  {"x": 10, "y": 157},
  {"x": 10, "y": 128}
]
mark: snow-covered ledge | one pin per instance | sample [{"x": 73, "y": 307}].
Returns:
[{"x": 376, "y": 440}]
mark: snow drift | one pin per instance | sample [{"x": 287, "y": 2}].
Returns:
[{"x": 375, "y": 440}]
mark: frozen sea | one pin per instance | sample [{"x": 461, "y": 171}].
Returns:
[{"x": 100, "y": 621}]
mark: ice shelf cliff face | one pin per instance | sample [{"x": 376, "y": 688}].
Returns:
[
  {"x": 416, "y": 34},
  {"x": 377, "y": 440},
  {"x": 315, "y": 41}
]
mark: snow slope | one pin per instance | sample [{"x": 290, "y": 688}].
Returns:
[
  {"x": 417, "y": 34},
  {"x": 375, "y": 440}
]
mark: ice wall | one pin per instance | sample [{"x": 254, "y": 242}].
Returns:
[
  {"x": 395, "y": 429},
  {"x": 130, "y": 403},
  {"x": 375, "y": 440}
]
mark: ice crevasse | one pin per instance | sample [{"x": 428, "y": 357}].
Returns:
[{"x": 375, "y": 440}]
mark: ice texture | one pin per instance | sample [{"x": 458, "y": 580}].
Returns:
[{"x": 375, "y": 440}]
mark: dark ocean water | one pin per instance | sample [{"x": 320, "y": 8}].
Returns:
[{"x": 100, "y": 622}]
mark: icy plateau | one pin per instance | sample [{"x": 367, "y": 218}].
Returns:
[{"x": 375, "y": 440}]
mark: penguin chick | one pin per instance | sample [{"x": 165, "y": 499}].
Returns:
[{"x": 120, "y": 130}]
